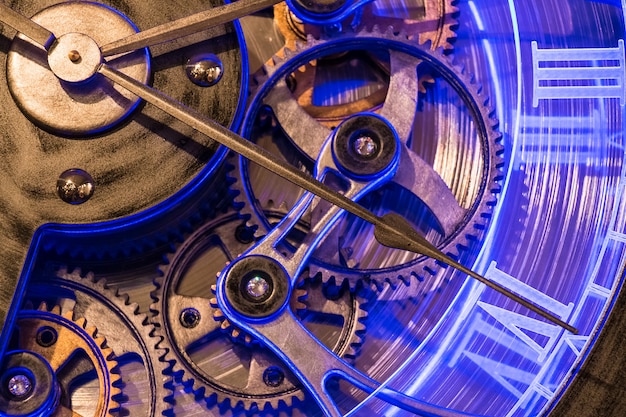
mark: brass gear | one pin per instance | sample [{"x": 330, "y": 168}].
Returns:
[
  {"x": 435, "y": 22},
  {"x": 432, "y": 22},
  {"x": 59, "y": 339}
]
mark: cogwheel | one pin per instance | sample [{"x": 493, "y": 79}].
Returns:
[
  {"x": 431, "y": 20},
  {"x": 54, "y": 355},
  {"x": 147, "y": 233},
  {"x": 225, "y": 366},
  {"x": 449, "y": 134},
  {"x": 129, "y": 334},
  {"x": 322, "y": 87}
]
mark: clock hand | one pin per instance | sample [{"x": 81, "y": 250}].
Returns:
[
  {"x": 26, "y": 26},
  {"x": 186, "y": 26},
  {"x": 390, "y": 230},
  {"x": 236, "y": 287}
]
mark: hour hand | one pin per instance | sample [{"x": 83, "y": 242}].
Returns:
[
  {"x": 390, "y": 230},
  {"x": 186, "y": 26},
  {"x": 26, "y": 26}
]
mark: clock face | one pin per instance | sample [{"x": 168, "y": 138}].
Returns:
[{"x": 494, "y": 129}]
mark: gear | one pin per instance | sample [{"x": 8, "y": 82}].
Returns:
[
  {"x": 456, "y": 145},
  {"x": 323, "y": 88},
  {"x": 139, "y": 369},
  {"x": 151, "y": 235},
  {"x": 432, "y": 21},
  {"x": 229, "y": 368},
  {"x": 72, "y": 354}
]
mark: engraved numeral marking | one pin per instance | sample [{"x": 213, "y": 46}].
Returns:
[
  {"x": 561, "y": 140},
  {"x": 530, "y": 338},
  {"x": 579, "y": 73}
]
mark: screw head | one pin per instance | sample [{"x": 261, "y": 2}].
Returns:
[
  {"x": 365, "y": 146},
  {"x": 204, "y": 70},
  {"x": 74, "y": 55},
  {"x": 244, "y": 234},
  {"x": 46, "y": 336},
  {"x": 273, "y": 376},
  {"x": 75, "y": 186},
  {"x": 20, "y": 385},
  {"x": 257, "y": 287},
  {"x": 190, "y": 318}
]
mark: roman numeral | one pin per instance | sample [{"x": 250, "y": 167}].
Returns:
[
  {"x": 560, "y": 140},
  {"x": 578, "y": 73},
  {"x": 530, "y": 338}
]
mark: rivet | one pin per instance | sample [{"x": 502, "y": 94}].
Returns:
[
  {"x": 365, "y": 146},
  {"x": 20, "y": 385},
  {"x": 74, "y": 56},
  {"x": 204, "y": 70},
  {"x": 257, "y": 287},
  {"x": 75, "y": 186}
]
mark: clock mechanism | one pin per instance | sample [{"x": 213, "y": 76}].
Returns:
[{"x": 312, "y": 208}]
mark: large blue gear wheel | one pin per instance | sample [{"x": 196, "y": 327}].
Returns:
[{"x": 456, "y": 147}]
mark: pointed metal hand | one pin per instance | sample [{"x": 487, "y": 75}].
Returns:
[
  {"x": 390, "y": 230},
  {"x": 186, "y": 26},
  {"x": 26, "y": 26}
]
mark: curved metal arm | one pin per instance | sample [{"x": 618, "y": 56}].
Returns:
[
  {"x": 296, "y": 347},
  {"x": 390, "y": 230},
  {"x": 329, "y": 214}
]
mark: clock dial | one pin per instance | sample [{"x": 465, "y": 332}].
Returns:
[{"x": 264, "y": 300}]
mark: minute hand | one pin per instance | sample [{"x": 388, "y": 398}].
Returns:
[
  {"x": 26, "y": 26},
  {"x": 186, "y": 26},
  {"x": 390, "y": 230}
]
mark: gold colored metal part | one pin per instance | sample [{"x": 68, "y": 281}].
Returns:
[
  {"x": 68, "y": 342},
  {"x": 435, "y": 24}
]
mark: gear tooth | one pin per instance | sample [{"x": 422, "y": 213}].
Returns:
[
  {"x": 115, "y": 379},
  {"x": 299, "y": 46},
  {"x": 247, "y": 339},
  {"x": 350, "y": 353},
  {"x": 360, "y": 327},
  {"x": 218, "y": 314},
  {"x": 43, "y": 306},
  {"x": 91, "y": 331},
  {"x": 101, "y": 341},
  {"x": 76, "y": 272},
  {"x": 68, "y": 314},
  {"x": 288, "y": 54},
  {"x": 235, "y": 333},
  {"x": 134, "y": 307},
  {"x": 428, "y": 44},
  {"x": 113, "y": 405},
  {"x": 62, "y": 270},
  {"x": 225, "y": 324},
  {"x": 301, "y": 294}
]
